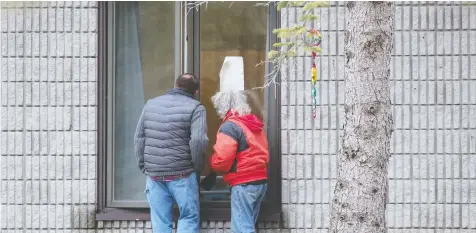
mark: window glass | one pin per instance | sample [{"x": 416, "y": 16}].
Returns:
[
  {"x": 144, "y": 68},
  {"x": 236, "y": 30},
  {"x": 144, "y": 49}
]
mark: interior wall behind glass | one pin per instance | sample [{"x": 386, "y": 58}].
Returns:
[{"x": 157, "y": 46}]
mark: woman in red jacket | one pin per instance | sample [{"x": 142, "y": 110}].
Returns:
[{"x": 241, "y": 154}]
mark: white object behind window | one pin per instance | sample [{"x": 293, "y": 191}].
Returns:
[{"x": 232, "y": 74}]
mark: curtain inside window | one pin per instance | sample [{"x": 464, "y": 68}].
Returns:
[{"x": 129, "y": 100}]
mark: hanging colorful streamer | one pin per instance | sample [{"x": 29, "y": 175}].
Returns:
[{"x": 314, "y": 41}]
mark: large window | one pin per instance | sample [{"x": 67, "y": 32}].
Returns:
[{"x": 143, "y": 47}]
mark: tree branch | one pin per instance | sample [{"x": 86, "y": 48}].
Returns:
[
  {"x": 197, "y": 4},
  {"x": 293, "y": 39}
]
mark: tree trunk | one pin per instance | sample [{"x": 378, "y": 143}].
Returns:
[{"x": 361, "y": 190}]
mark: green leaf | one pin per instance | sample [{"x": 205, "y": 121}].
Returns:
[
  {"x": 315, "y": 4},
  {"x": 282, "y": 4},
  {"x": 291, "y": 53},
  {"x": 281, "y": 44},
  {"x": 316, "y": 49},
  {"x": 308, "y": 17}
]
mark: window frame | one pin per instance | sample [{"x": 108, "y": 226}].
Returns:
[{"x": 209, "y": 210}]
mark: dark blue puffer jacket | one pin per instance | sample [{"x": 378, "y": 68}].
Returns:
[{"x": 171, "y": 135}]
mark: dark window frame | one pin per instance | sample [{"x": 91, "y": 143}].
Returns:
[{"x": 213, "y": 211}]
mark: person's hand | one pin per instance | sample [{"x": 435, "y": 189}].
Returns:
[{"x": 209, "y": 181}]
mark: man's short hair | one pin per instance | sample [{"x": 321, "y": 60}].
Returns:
[{"x": 187, "y": 82}]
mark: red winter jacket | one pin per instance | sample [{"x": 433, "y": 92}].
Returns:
[{"x": 241, "y": 150}]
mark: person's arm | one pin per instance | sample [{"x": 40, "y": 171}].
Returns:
[
  {"x": 139, "y": 140},
  {"x": 198, "y": 137},
  {"x": 225, "y": 148}
]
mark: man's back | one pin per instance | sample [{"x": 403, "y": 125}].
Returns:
[{"x": 169, "y": 146}]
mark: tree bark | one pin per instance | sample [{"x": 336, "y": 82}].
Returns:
[{"x": 361, "y": 190}]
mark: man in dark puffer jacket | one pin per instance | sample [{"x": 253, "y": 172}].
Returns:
[{"x": 170, "y": 144}]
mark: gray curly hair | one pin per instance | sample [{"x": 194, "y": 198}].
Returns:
[{"x": 236, "y": 100}]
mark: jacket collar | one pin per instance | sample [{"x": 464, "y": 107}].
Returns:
[{"x": 180, "y": 91}]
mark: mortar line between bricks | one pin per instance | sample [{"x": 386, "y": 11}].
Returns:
[
  {"x": 49, "y": 7},
  {"x": 452, "y": 183},
  {"x": 294, "y": 228},
  {"x": 326, "y": 31},
  {"x": 303, "y": 143},
  {"x": 52, "y": 31},
  {"x": 24, "y": 124},
  {"x": 419, "y": 128},
  {"x": 393, "y": 153},
  {"x": 56, "y": 132},
  {"x": 329, "y": 120},
  {"x": 48, "y": 46},
  {"x": 42, "y": 155},
  {"x": 427, "y": 88},
  {"x": 31, "y": 142},
  {"x": 402, "y": 54},
  {"x": 71, "y": 219},
  {"x": 79, "y": 120},
  {"x": 23, "y": 168},
  {"x": 39, "y": 115},
  {"x": 313, "y": 160},
  {"x": 89, "y": 217},
  {"x": 430, "y": 105},
  {"x": 50, "y": 57},
  {"x": 393, "y": 61},
  {"x": 399, "y": 129},
  {"x": 435, "y": 136},
  {"x": 444, "y": 130},
  {"x": 292, "y": 154},
  {"x": 321, "y": 120},
  {"x": 296, "y": 143},
  {"x": 411, "y": 118},
  {"x": 322, "y": 31},
  {"x": 397, "y": 4},
  {"x": 44, "y": 131},
  {"x": 436, "y": 54},
  {"x": 64, "y": 129},
  {"x": 468, "y": 137},
  {"x": 292, "y": 203},
  {"x": 288, "y": 98},
  {"x": 390, "y": 178},
  {"x": 52, "y": 81},
  {"x": 391, "y": 203},
  {"x": 57, "y": 105},
  {"x": 8, "y": 71},
  {"x": 460, "y": 145},
  {"x": 468, "y": 79}
]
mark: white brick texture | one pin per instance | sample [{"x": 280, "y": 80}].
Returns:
[
  {"x": 48, "y": 98},
  {"x": 48, "y": 122}
]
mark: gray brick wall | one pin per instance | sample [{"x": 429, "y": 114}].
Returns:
[
  {"x": 48, "y": 84},
  {"x": 48, "y": 95}
]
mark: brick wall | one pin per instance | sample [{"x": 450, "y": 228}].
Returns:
[
  {"x": 48, "y": 116},
  {"x": 48, "y": 122}
]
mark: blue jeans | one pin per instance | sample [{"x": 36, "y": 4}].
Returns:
[
  {"x": 162, "y": 195},
  {"x": 245, "y": 204}
]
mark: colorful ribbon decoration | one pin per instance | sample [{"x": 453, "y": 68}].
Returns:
[{"x": 315, "y": 42}]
